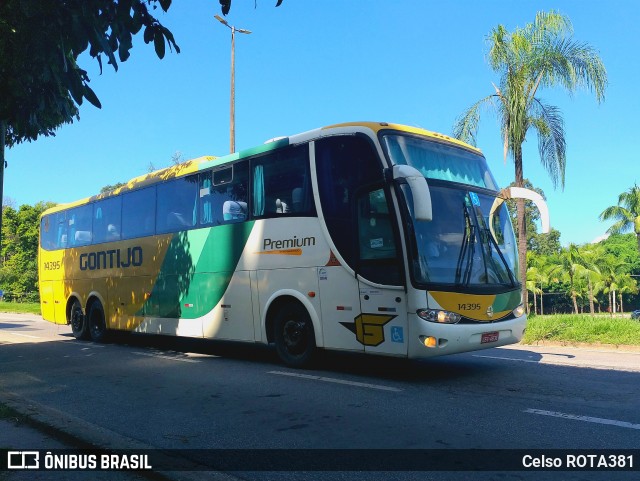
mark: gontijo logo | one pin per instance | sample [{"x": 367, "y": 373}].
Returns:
[{"x": 113, "y": 258}]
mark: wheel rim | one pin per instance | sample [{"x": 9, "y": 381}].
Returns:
[
  {"x": 294, "y": 335},
  {"x": 95, "y": 323},
  {"x": 76, "y": 319}
]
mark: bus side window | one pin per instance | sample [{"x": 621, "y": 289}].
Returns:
[
  {"x": 206, "y": 199},
  {"x": 378, "y": 256},
  {"x": 79, "y": 226},
  {"x": 282, "y": 183},
  {"x": 106, "y": 220},
  {"x": 139, "y": 208},
  {"x": 177, "y": 204},
  {"x": 344, "y": 164},
  {"x": 375, "y": 233},
  {"x": 53, "y": 231},
  {"x": 223, "y": 195},
  {"x": 61, "y": 230}
]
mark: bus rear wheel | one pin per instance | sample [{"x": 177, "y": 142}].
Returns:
[
  {"x": 78, "y": 321},
  {"x": 294, "y": 336},
  {"x": 96, "y": 322}
]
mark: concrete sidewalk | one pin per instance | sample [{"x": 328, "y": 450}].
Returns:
[
  {"x": 626, "y": 358},
  {"x": 39, "y": 427}
]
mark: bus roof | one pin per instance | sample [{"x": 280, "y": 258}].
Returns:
[
  {"x": 378, "y": 126},
  {"x": 205, "y": 162}
]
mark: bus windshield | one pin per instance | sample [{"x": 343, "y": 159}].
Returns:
[
  {"x": 458, "y": 248},
  {"x": 439, "y": 161}
]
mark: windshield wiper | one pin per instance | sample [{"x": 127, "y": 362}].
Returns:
[
  {"x": 468, "y": 244},
  {"x": 492, "y": 242}
]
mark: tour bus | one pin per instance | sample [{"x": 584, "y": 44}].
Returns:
[{"x": 367, "y": 237}]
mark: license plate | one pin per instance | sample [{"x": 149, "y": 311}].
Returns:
[{"x": 489, "y": 337}]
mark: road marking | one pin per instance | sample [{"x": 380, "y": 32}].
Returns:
[
  {"x": 24, "y": 335},
  {"x": 571, "y": 362},
  {"x": 506, "y": 358},
  {"x": 336, "y": 381},
  {"x": 162, "y": 356},
  {"x": 588, "y": 419}
]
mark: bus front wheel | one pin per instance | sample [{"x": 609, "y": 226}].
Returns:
[
  {"x": 78, "y": 321},
  {"x": 294, "y": 336},
  {"x": 96, "y": 321}
]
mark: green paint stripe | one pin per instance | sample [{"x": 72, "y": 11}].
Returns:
[
  {"x": 261, "y": 149},
  {"x": 506, "y": 301},
  {"x": 197, "y": 270}
]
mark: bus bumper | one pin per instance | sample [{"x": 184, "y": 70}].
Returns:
[{"x": 428, "y": 339}]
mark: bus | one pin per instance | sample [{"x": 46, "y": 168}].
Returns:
[{"x": 367, "y": 237}]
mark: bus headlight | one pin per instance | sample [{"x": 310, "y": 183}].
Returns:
[
  {"x": 519, "y": 311},
  {"x": 438, "y": 315}
]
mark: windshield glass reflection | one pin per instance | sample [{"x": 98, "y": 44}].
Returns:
[{"x": 457, "y": 247}]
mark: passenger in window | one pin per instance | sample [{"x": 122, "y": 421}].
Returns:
[
  {"x": 112, "y": 233},
  {"x": 234, "y": 211},
  {"x": 281, "y": 207}
]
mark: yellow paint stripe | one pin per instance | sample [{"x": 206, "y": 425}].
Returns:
[{"x": 283, "y": 252}]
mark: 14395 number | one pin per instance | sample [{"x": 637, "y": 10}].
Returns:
[
  {"x": 52, "y": 266},
  {"x": 469, "y": 307}
]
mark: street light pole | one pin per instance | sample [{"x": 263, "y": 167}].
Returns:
[{"x": 232, "y": 107}]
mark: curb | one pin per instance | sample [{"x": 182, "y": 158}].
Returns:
[
  {"x": 82, "y": 434},
  {"x": 581, "y": 345}
]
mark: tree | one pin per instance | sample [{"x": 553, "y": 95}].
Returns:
[
  {"x": 626, "y": 285},
  {"x": 545, "y": 244},
  {"x": 626, "y": 213},
  {"x": 19, "y": 272},
  {"x": 539, "y": 268},
  {"x": 541, "y": 54},
  {"x": 111, "y": 187},
  {"x": 588, "y": 258},
  {"x": 567, "y": 270},
  {"x": 225, "y": 5},
  {"x": 624, "y": 247},
  {"x": 41, "y": 82}
]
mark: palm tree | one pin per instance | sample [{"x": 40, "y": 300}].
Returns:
[
  {"x": 568, "y": 270},
  {"x": 612, "y": 270},
  {"x": 626, "y": 285},
  {"x": 542, "y": 54},
  {"x": 538, "y": 271},
  {"x": 532, "y": 286},
  {"x": 588, "y": 257},
  {"x": 626, "y": 213}
]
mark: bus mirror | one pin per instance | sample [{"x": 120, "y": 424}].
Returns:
[
  {"x": 521, "y": 193},
  {"x": 419, "y": 187}
]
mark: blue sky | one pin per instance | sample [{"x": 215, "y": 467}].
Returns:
[{"x": 309, "y": 63}]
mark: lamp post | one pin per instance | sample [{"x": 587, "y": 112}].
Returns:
[{"x": 232, "y": 121}]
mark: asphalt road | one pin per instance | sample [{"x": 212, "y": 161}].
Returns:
[{"x": 185, "y": 394}]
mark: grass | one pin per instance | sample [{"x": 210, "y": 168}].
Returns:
[
  {"x": 20, "y": 307},
  {"x": 575, "y": 329}
]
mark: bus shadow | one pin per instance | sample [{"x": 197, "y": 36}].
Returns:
[
  {"x": 235, "y": 350},
  {"x": 445, "y": 368},
  {"x": 327, "y": 362}
]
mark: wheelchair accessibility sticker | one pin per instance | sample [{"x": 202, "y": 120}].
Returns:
[{"x": 397, "y": 335}]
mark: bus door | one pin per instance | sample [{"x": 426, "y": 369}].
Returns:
[
  {"x": 355, "y": 208},
  {"x": 340, "y": 307},
  {"x": 382, "y": 325}
]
